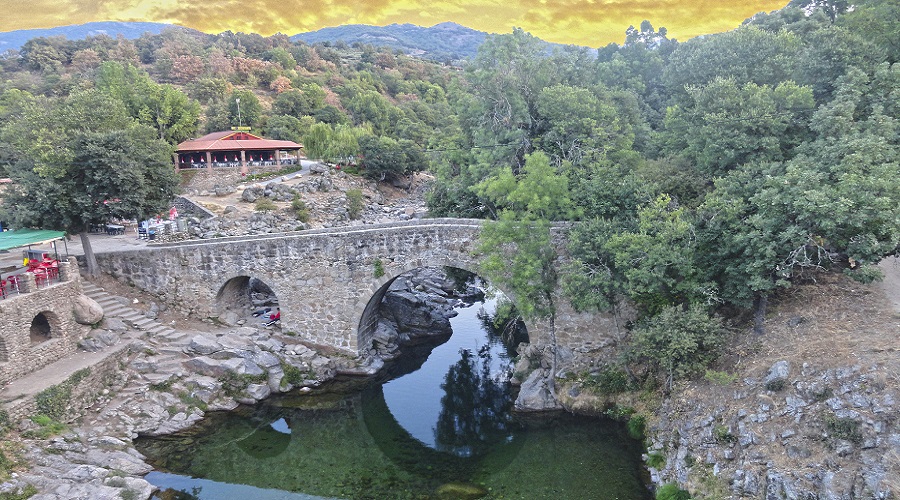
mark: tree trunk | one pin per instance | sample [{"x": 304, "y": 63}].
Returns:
[
  {"x": 552, "y": 384},
  {"x": 759, "y": 317},
  {"x": 92, "y": 266}
]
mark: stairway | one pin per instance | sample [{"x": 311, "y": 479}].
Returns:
[
  {"x": 113, "y": 308},
  {"x": 162, "y": 358}
]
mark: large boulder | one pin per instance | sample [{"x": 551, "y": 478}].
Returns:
[
  {"x": 535, "y": 393},
  {"x": 86, "y": 310}
]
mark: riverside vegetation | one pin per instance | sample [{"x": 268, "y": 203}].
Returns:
[{"x": 705, "y": 185}]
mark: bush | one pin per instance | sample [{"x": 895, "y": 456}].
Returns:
[
  {"x": 610, "y": 381},
  {"x": 843, "y": 428},
  {"x": 723, "y": 435},
  {"x": 678, "y": 342},
  {"x": 300, "y": 209},
  {"x": 720, "y": 378},
  {"x": 636, "y": 426},
  {"x": 656, "y": 460},
  {"x": 671, "y": 491},
  {"x": 378, "y": 268},
  {"x": 354, "y": 203},
  {"x": 265, "y": 205}
]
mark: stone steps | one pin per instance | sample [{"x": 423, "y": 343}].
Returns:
[{"x": 113, "y": 307}]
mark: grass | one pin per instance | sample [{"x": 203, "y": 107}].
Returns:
[{"x": 47, "y": 427}]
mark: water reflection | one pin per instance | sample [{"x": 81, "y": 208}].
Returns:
[
  {"x": 474, "y": 413},
  {"x": 361, "y": 445}
]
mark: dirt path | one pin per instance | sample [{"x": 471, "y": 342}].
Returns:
[{"x": 891, "y": 282}]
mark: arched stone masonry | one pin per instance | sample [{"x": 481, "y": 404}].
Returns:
[
  {"x": 325, "y": 279},
  {"x": 42, "y": 326}
]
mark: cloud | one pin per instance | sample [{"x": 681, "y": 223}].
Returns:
[{"x": 585, "y": 22}]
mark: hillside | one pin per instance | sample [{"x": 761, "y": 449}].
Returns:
[
  {"x": 445, "y": 41},
  {"x": 15, "y": 39}
]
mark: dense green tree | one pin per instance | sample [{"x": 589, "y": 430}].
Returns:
[
  {"x": 517, "y": 251},
  {"x": 124, "y": 173},
  {"x": 726, "y": 124},
  {"x": 288, "y": 128},
  {"x": 384, "y": 158}
]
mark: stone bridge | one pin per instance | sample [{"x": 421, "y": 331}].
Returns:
[{"x": 328, "y": 282}]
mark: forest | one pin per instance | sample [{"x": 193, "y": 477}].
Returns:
[{"x": 697, "y": 179}]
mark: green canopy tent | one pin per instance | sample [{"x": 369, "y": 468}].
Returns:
[{"x": 29, "y": 237}]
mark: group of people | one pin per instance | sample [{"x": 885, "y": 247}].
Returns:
[{"x": 273, "y": 317}]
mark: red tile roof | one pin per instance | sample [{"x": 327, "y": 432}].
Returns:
[{"x": 219, "y": 141}]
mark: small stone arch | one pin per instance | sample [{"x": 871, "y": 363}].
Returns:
[
  {"x": 242, "y": 296},
  {"x": 44, "y": 326},
  {"x": 367, "y": 308}
]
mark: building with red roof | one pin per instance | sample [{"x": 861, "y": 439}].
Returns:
[{"x": 233, "y": 149}]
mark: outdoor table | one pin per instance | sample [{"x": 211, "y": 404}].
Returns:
[{"x": 112, "y": 229}]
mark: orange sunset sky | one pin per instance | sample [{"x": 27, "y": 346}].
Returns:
[{"x": 592, "y": 23}]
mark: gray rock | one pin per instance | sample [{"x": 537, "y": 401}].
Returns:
[
  {"x": 86, "y": 310},
  {"x": 535, "y": 393},
  {"x": 203, "y": 346},
  {"x": 114, "y": 324},
  {"x": 780, "y": 370}
]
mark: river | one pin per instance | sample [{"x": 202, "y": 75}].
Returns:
[{"x": 441, "y": 428}]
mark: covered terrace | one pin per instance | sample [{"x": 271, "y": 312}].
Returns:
[{"x": 233, "y": 149}]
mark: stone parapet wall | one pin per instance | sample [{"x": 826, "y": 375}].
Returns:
[
  {"x": 324, "y": 279},
  {"x": 18, "y": 356},
  {"x": 205, "y": 179}
]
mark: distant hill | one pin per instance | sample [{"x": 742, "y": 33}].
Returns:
[
  {"x": 15, "y": 39},
  {"x": 445, "y": 41}
]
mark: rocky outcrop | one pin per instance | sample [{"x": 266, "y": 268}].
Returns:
[
  {"x": 792, "y": 432},
  {"x": 417, "y": 308}
]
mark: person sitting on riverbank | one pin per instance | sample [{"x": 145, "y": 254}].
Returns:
[{"x": 275, "y": 317}]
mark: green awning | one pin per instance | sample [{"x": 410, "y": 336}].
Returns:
[{"x": 26, "y": 237}]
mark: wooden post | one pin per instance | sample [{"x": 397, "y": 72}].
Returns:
[
  {"x": 277, "y": 157},
  {"x": 244, "y": 169},
  {"x": 209, "y": 161}
]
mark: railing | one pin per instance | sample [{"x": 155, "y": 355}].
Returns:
[{"x": 36, "y": 278}]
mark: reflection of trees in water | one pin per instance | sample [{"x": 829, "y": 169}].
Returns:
[
  {"x": 172, "y": 494},
  {"x": 475, "y": 407},
  {"x": 505, "y": 325}
]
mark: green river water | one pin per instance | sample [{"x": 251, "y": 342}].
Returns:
[{"x": 442, "y": 430}]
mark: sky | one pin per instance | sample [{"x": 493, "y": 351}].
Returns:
[{"x": 592, "y": 23}]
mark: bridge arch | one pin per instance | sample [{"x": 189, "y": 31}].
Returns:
[
  {"x": 242, "y": 294},
  {"x": 367, "y": 308}
]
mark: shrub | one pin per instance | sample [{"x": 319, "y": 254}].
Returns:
[
  {"x": 610, "y": 381},
  {"x": 720, "y": 378},
  {"x": 776, "y": 384},
  {"x": 354, "y": 203},
  {"x": 723, "y": 435},
  {"x": 656, "y": 460},
  {"x": 300, "y": 209},
  {"x": 265, "y": 205},
  {"x": 678, "y": 342},
  {"x": 671, "y": 491},
  {"x": 378, "y": 268},
  {"x": 843, "y": 428},
  {"x": 636, "y": 426}
]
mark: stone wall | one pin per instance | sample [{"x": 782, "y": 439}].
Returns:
[
  {"x": 84, "y": 393},
  {"x": 204, "y": 179},
  {"x": 324, "y": 279},
  {"x": 186, "y": 207},
  {"x": 18, "y": 356}
]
